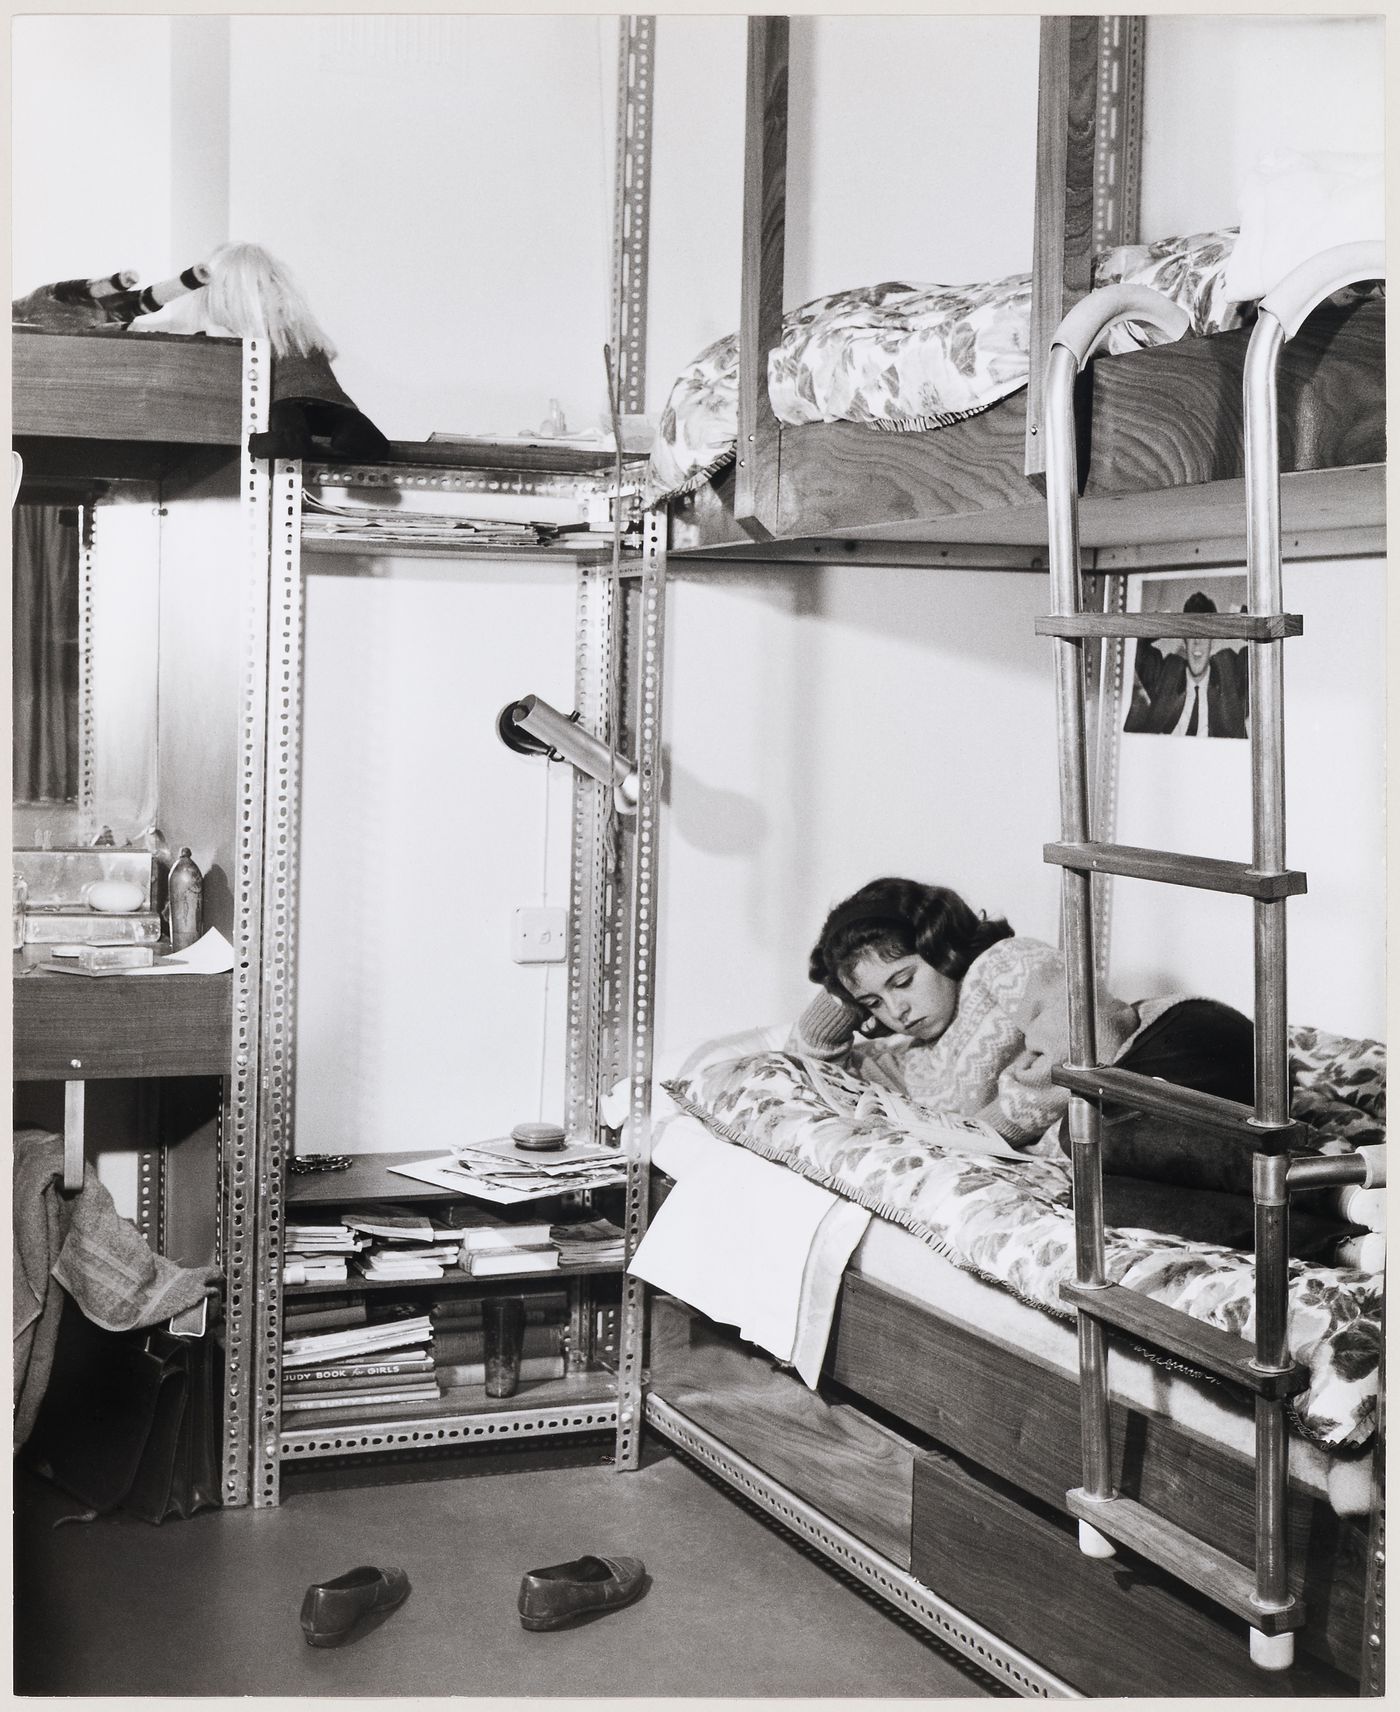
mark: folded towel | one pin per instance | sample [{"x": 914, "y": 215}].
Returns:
[{"x": 751, "y": 1245}]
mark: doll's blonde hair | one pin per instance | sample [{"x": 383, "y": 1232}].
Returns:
[{"x": 257, "y": 297}]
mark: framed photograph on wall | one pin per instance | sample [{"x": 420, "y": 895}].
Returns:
[{"x": 1192, "y": 687}]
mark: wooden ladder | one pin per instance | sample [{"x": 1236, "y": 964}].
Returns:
[{"x": 1259, "y": 1593}]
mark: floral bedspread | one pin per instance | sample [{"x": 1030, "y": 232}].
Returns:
[
  {"x": 911, "y": 357},
  {"x": 1010, "y": 1220}
]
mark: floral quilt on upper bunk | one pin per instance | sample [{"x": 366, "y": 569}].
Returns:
[
  {"x": 1011, "y": 1221},
  {"x": 906, "y": 357}
]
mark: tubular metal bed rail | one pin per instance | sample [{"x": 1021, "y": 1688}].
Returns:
[{"x": 1259, "y": 1593}]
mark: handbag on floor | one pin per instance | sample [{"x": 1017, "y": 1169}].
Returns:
[{"x": 130, "y": 1421}]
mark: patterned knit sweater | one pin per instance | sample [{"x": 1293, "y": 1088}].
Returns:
[{"x": 980, "y": 1065}]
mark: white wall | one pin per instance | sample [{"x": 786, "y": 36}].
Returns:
[
  {"x": 440, "y": 185},
  {"x": 92, "y": 157},
  {"x": 1219, "y": 91},
  {"x": 826, "y": 726},
  {"x": 420, "y": 834}
]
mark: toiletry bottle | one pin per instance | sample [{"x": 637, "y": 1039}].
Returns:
[
  {"x": 19, "y": 904},
  {"x": 185, "y": 889}
]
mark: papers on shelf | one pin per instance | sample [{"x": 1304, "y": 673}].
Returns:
[
  {"x": 382, "y": 523},
  {"x": 498, "y": 1171}
]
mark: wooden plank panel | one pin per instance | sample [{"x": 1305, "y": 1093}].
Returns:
[
  {"x": 1020, "y": 1420},
  {"x": 121, "y": 1025},
  {"x": 1064, "y": 198},
  {"x": 853, "y": 1469},
  {"x": 1109, "y": 1627},
  {"x": 127, "y": 387},
  {"x": 761, "y": 286},
  {"x": 1166, "y": 867},
  {"x": 1173, "y": 416}
]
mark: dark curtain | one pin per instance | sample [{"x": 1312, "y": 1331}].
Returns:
[{"x": 46, "y": 663}]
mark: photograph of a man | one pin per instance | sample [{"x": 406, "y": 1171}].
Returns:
[{"x": 1192, "y": 687}]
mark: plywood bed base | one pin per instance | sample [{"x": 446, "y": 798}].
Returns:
[
  {"x": 1165, "y": 444},
  {"x": 946, "y": 1460}
]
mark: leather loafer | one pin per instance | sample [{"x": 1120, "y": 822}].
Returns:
[
  {"x": 551, "y": 1597},
  {"x": 335, "y": 1612}
]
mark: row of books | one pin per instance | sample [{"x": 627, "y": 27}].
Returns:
[
  {"x": 337, "y": 1357},
  {"x": 409, "y": 1247}
]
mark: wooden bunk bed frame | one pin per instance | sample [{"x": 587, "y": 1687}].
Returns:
[
  {"x": 934, "y": 1465},
  {"x": 1164, "y": 471}
]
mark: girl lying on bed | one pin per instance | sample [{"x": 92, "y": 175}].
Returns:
[{"x": 921, "y": 995}]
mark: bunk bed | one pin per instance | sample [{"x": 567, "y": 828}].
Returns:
[
  {"x": 935, "y": 1460},
  {"x": 1164, "y": 461}
]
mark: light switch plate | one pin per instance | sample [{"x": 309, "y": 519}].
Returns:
[{"x": 539, "y": 936}]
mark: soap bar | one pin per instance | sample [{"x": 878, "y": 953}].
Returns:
[
  {"x": 116, "y": 957},
  {"x": 538, "y": 1137}
]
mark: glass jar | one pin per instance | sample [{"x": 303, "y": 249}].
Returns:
[{"x": 19, "y": 905}]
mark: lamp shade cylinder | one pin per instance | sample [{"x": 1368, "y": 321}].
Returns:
[{"x": 567, "y": 738}]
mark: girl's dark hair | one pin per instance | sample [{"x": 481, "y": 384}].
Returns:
[{"x": 894, "y": 918}]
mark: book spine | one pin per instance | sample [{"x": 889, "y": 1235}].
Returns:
[
  {"x": 367, "y": 1370},
  {"x": 474, "y": 1372},
  {"x": 471, "y": 1345},
  {"x": 297, "y": 1387},
  {"x": 329, "y": 1319},
  {"x": 301, "y": 1405}
]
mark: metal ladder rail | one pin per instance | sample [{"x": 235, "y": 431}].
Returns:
[
  {"x": 1281, "y": 314},
  {"x": 1268, "y": 1607}
]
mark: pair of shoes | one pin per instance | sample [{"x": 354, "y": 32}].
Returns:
[
  {"x": 551, "y": 1597},
  {"x": 336, "y": 1612}
]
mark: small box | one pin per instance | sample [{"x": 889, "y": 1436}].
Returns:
[
  {"x": 79, "y": 927},
  {"x": 101, "y": 957},
  {"x": 56, "y": 878}
]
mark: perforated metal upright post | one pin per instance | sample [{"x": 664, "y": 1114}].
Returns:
[
  {"x": 277, "y": 1033},
  {"x": 632, "y": 208},
  {"x": 239, "y": 1125},
  {"x": 642, "y": 984}
]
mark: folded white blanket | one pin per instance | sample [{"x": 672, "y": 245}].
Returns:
[{"x": 751, "y": 1245}]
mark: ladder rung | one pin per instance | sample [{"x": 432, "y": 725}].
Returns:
[
  {"x": 1204, "y": 1346},
  {"x": 1206, "y": 872},
  {"x": 1148, "y": 1094},
  {"x": 1150, "y": 626},
  {"x": 1178, "y": 1551}
]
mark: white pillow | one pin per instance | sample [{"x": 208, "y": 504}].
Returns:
[{"x": 1294, "y": 205}]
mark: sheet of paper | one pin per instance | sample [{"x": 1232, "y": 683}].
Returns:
[
  {"x": 211, "y": 955},
  {"x": 447, "y": 1172}
]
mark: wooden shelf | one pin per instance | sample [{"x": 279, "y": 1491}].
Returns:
[
  {"x": 119, "y": 1025},
  {"x": 128, "y": 387},
  {"x": 368, "y": 1178}
]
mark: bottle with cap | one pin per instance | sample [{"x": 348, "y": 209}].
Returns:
[
  {"x": 185, "y": 890},
  {"x": 19, "y": 905}
]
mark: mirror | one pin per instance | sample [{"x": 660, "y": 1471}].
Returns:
[{"x": 85, "y": 606}]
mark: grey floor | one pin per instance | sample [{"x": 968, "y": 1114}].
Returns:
[{"x": 208, "y": 1607}]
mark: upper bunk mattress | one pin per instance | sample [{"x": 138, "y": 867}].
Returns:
[{"x": 907, "y": 357}]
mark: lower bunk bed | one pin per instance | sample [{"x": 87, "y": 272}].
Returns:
[{"x": 933, "y": 1453}]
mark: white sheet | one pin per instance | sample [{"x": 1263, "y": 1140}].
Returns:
[{"x": 753, "y": 1246}]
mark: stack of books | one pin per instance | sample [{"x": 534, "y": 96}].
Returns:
[
  {"x": 589, "y": 1242},
  {"x": 383, "y": 1367},
  {"x": 402, "y": 1247},
  {"x": 493, "y": 1246},
  {"x": 459, "y": 1346},
  {"x": 316, "y": 1253}
]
